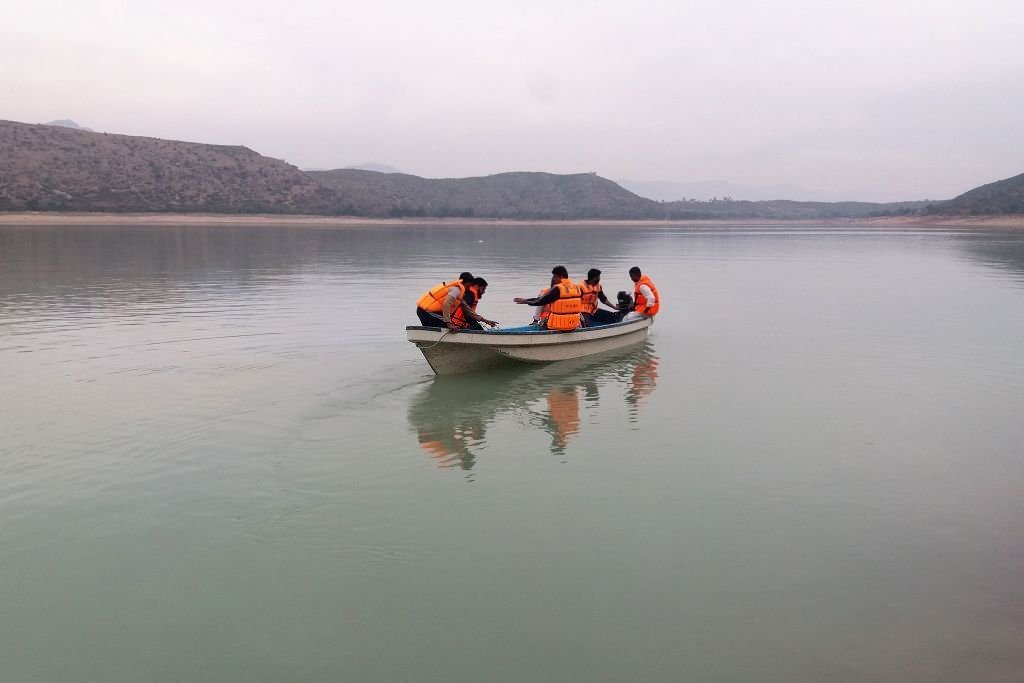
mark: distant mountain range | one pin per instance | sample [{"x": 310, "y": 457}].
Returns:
[
  {"x": 370, "y": 166},
  {"x": 505, "y": 195},
  {"x": 66, "y": 168},
  {"x": 67, "y": 123},
  {"x": 670, "y": 191}
]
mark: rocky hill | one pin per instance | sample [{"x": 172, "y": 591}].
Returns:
[
  {"x": 54, "y": 168},
  {"x": 57, "y": 168},
  {"x": 505, "y": 195},
  {"x": 1001, "y": 197}
]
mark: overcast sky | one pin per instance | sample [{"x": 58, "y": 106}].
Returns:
[{"x": 868, "y": 99}]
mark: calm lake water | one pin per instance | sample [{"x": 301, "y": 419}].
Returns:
[{"x": 220, "y": 460}]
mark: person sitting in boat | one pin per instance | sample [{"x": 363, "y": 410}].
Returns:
[
  {"x": 541, "y": 313},
  {"x": 465, "y": 316},
  {"x": 565, "y": 300},
  {"x": 435, "y": 308},
  {"x": 592, "y": 293},
  {"x": 646, "y": 302}
]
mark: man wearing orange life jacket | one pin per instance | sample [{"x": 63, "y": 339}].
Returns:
[
  {"x": 465, "y": 316},
  {"x": 435, "y": 308},
  {"x": 592, "y": 293},
  {"x": 565, "y": 300},
  {"x": 646, "y": 302}
]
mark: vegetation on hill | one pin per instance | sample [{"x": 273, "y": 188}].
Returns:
[
  {"x": 1001, "y": 197},
  {"x": 505, "y": 195},
  {"x": 781, "y": 209},
  {"x": 544, "y": 195}
]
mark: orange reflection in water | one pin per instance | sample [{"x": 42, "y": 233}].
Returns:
[
  {"x": 563, "y": 416},
  {"x": 451, "y": 415},
  {"x": 642, "y": 383}
]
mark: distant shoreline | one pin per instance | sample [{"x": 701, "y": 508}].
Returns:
[{"x": 88, "y": 218}]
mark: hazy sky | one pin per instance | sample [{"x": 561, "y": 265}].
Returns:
[{"x": 867, "y": 99}]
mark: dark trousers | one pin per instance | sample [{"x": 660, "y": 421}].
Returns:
[
  {"x": 429, "y": 319},
  {"x": 603, "y": 317}
]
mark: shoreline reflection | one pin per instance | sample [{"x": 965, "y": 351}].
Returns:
[{"x": 451, "y": 415}]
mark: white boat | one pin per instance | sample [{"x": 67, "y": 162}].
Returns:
[{"x": 452, "y": 353}]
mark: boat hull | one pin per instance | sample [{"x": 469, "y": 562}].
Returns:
[{"x": 451, "y": 353}]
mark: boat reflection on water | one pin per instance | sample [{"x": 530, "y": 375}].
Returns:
[{"x": 451, "y": 415}]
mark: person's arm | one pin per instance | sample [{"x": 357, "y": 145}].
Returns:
[
  {"x": 648, "y": 298},
  {"x": 540, "y": 300},
  {"x": 603, "y": 299},
  {"x": 446, "y": 312},
  {"x": 476, "y": 316}
]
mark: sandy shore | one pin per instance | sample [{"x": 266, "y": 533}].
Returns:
[{"x": 56, "y": 218}]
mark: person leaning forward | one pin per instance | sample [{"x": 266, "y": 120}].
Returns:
[
  {"x": 564, "y": 298},
  {"x": 465, "y": 316},
  {"x": 435, "y": 308},
  {"x": 592, "y": 292}
]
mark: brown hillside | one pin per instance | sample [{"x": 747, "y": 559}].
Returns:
[{"x": 52, "y": 168}]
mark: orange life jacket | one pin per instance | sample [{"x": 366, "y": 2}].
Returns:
[
  {"x": 565, "y": 310},
  {"x": 589, "y": 293},
  {"x": 433, "y": 300},
  {"x": 459, "y": 316},
  {"x": 641, "y": 302},
  {"x": 546, "y": 309}
]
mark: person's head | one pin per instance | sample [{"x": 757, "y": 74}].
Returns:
[
  {"x": 593, "y": 276},
  {"x": 634, "y": 274},
  {"x": 561, "y": 273},
  {"x": 466, "y": 277},
  {"x": 555, "y": 279},
  {"x": 481, "y": 286}
]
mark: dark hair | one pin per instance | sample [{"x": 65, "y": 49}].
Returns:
[
  {"x": 560, "y": 271},
  {"x": 479, "y": 282},
  {"x": 466, "y": 276},
  {"x": 592, "y": 273},
  {"x": 634, "y": 271}
]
